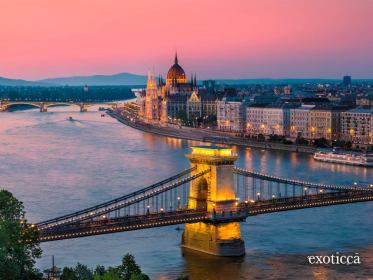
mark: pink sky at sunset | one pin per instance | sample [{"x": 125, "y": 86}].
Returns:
[{"x": 215, "y": 39}]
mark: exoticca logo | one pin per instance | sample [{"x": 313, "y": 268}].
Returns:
[{"x": 335, "y": 259}]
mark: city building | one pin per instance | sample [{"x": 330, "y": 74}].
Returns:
[
  {"x": 324, "y": 122},
  {"x": 357, "y": 125},
  {"x": 231, "y": 115},
  {"x": 269, "y": 120},
  {"x": 300, "y": 122},
  {"x": 347, "y": 81},
  {"x": 366, "y": 100}
]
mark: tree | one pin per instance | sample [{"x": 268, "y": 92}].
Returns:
[
  {"x": 182, "y": 116},
  {"x": 112, "y": 273},
  {"x": 82, "y": 272},
  {"x": 19, "y": 246},
  {"x": 139, "y": 276},
  {"x": 261, "y": 137},
  {"x": 321, "y": 143},
  {"x": 301, "y": 141},
  {"x": 128, "y": 267},
  {"x": 100, "y": 270},
  {"x": 68, "y": 273}
]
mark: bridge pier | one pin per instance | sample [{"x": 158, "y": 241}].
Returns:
[
  {"x": 215, "y": 193},
  {"x": 3, "y": 107},
  {"x": 43, "y": 107},
  {"x": 83, "y": 107}
]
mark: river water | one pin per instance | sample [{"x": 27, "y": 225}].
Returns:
[{"x": 56, "y": 166}]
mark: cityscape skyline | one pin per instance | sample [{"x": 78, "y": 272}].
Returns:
[{"x": 288, "y": 39}]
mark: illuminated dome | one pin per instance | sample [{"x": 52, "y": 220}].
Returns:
[{"x": 176, "y": 73}]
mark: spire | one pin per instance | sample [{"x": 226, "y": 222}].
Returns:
[
  {"x": 176, "y": 60},
  {"x": 151, "y": 83}
]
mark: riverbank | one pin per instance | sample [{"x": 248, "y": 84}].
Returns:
[{"x": 204, "y": 135}]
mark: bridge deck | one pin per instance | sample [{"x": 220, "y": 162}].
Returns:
[{"x": 239, "y": 213}]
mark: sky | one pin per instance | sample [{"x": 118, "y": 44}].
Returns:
[{"x": 214, "y": 39}]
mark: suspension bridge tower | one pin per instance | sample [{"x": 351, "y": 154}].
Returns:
[{"x": 214, "y": 192}]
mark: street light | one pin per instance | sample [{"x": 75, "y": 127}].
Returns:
[{"x": 258, "y": 194}]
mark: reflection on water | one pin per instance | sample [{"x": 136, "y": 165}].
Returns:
[
  {"x": 57, "y": 166},
  {"x": 201, "y": 267}
]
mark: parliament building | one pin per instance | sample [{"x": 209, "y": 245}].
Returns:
[{"x": 165, "y": 100}]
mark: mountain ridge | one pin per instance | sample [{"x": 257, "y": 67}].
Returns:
[{"x": 130, "y": 79}]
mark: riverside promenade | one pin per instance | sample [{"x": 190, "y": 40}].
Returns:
[{"x": 131, "y": 119}]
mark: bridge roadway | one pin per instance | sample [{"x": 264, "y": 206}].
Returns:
[
  {"x": 238, "y": 213},
  {"x": 43, "y": 105}
]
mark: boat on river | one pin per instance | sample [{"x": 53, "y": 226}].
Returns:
[{"x": 344, "y": 157}]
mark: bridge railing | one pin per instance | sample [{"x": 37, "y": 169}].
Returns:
[
  {"x": 127, "y": 223},
  {"x": 251, "y": 185},
  {"x": 306, "y": 201}
]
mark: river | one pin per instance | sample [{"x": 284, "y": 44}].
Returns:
[{"x": 56, "y": 166}]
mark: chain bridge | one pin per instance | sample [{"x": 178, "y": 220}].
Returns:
[{"x": 211, "y": 198}]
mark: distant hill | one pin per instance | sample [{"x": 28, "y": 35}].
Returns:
[
  {"x": 18, "y": 82},
  {"x": 273, "y": 81},
  {"x": 129, "y": 79},
  {"x": 284, "y": 81},
  {"x": 125, "y": 79}
]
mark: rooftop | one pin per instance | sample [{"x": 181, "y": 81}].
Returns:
[{"x": 361, "y": 110}]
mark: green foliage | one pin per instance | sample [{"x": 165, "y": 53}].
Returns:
[
  {"x": 301, "y": 141},
  {"x": 276, "y": 138},
  {"x": 100, "y": 270},
  {"x": 182, "y": 116},
  {"x": 343, "y": 144},
  {"x": 111, "y": 274},
  {"x": 19, "y": 245},
  {"x": 139, "y": 276},
  {"x": 128, "y": 267},
  {"x": 261, "y": 137},
  {"x": 127, "y": 270},
  {"x": 321, "y": 143},
  {"x": 68, "y": 273},
  {"x": 82, "y": 272}
]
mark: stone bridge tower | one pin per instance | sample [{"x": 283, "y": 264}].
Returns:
[{"x": 214, "y": 192}]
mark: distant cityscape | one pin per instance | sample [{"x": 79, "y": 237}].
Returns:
[
  {"x": 322, "y": 112},
  {"x": 333, "y": 114}
]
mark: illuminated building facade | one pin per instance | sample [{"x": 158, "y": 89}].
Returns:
[
  {"x": 231, "y": 115},
  {"x": 165, "y": 100},
  {"x": 267, "y": 120},
  {"x": 357, "y": 125},
  {"x": 324, "y": 123},
  {"x": 300, "y": 122}
]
